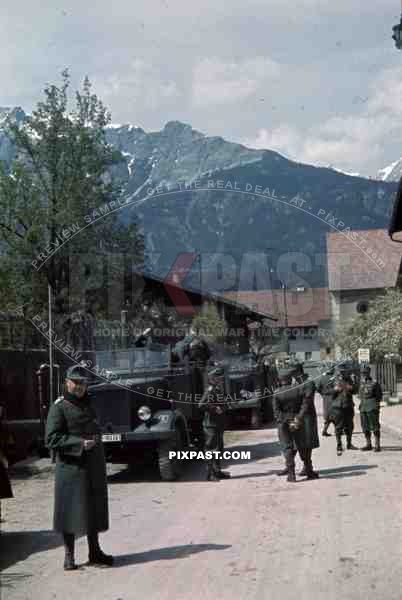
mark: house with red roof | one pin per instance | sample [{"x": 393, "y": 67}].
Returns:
[{"x": 361, "y": 266}]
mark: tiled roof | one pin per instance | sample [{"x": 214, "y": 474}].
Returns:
[
  {"x": 304, "y": 308},
  {"x": 173, "y": 282},
  {"x": 370, "y": 260}
]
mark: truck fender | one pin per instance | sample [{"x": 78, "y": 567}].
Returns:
[{"x": 168, "y": 420}]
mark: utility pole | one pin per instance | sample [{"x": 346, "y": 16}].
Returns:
[
  {"x": 50, "y": 314},
  {"x": 285, "y": 306}
]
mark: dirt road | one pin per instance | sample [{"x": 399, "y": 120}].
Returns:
[{"x": 252, "y": 537}]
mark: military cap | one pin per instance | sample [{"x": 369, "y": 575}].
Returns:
[{"x": 77, "y": 373}]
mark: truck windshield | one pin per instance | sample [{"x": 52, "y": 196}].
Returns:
[{"x": 133, "y": 359}]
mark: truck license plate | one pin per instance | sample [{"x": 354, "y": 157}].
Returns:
[{"x": 111, "y": 437}]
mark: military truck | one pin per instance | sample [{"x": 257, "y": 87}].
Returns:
[
  {"x": 147, "y": 407},
  {"x": 248, "y": 388}
]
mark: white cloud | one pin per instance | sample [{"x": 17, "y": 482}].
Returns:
[
  {"x": 138, "y": 80},
  {"x": 217, "y": 82},
  {"x": 349, "y": 141},
  {"x": 235, "y": 69}
]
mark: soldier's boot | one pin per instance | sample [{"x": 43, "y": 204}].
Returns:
[
  {"x": 96, "y": 556},
  {"x": 368, "y": 445},
  {"x": 308, "y": 465},
  {"x": 285, "y": 471},
  {"x": 211, "y": 474},
  {"x": 339, "y": 448},
  {"x": 377, "y": 447},
  {"x": 325, "y": 430},
  {"x": 219, "y": 473},
  {"x": 349, "y": 444},
  {"x": 69, "y": 562},
  {"x": 303, "y": 472},
  {"x": 290, "y": 463}
]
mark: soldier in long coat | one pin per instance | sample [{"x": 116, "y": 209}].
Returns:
[
  {"x": 370, "y": 395},
  {"x": 6, "y": 445},
  {"x": 81, "y": 499},
  {"x": 291, "y": 404},
  {"x": 308, "y": 389}
]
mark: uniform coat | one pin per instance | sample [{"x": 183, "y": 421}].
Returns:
[
  {"x": 326, "y": 389},
  {"x": 6, "y": 442},
  {"x": 343, "y": 407},
  {"x": 310, "y": 416},
  {"x": 370, "y": 395},
  {"x": 81, "y": 500},
  {"x": 290, "y": 402}
]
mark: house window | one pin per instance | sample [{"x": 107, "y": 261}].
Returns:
[
  {"x": 308, "y": 355},
  {"x": 362, "y": 307}
]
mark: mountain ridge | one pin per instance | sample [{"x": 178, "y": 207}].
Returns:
[{"x": 227, "y": 223}]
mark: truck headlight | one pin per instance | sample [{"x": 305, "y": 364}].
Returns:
[{"x": 144, "y": 413}]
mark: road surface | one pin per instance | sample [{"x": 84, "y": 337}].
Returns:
[{"x": 253, "y": 537}]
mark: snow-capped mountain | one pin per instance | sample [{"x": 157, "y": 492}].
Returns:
[
  {"x": 392, "y": 172},
  {"x": 223, "y": 220}
]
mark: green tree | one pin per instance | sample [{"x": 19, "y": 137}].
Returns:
[
  {"x": 63, "y": 169},
  {"x": 379, "y": 329}
]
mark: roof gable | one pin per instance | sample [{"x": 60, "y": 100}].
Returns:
[
  {"x": 304, "y": 308},
  {"x": 365, "y": 259}
]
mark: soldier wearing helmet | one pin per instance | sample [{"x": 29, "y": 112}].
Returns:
[
  {"x": 213, "y": 404},
  {"x": 291, "y": 407},
  {"x": 370, "y": 396}
]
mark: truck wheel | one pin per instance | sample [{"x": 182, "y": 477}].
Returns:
[
  {"x": 170, "y": 468},
  {"x": 255, "y": 419}
]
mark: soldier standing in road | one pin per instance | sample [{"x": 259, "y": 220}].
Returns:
[
  {"x": 291, "y": 403},
  {"x": 81, "y": 501},
  {"x": 310, "y": 421},
  {"x": 343, "y": 410},
  {"x": 213, "y": 405},
  {"x": 370, "y": 396},
  {"x": 326, "y": 389}
]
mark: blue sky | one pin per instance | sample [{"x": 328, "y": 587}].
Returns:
[{"x": 318, "y": 80}]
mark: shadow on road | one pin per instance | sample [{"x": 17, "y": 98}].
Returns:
[
  {"x": 257, "y": 452},
  {"x": 252, "y": 475},
  {"x": 17, "y": 546},
  {"x": 391, "y": 448},
  {"x": 195, "y": 469},
  {"x": 134, "y": 474},
  {"x": 348, "y": 471},
  {"x": 343, "y": 475},
  {"x": 22, "y": 472},
  {"x": 169, "y": 553}
]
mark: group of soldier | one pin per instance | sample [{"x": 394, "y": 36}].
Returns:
[
  {"x": 337, "y": 390},
  {"x": 73, "y": 433},
  {"x": 296, "y": 417}
]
